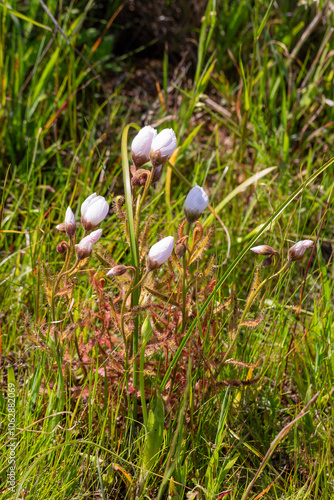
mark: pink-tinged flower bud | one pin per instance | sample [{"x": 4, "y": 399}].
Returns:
[
  {"x": 140, "y": 177},
  {"x": 195, "y": 204},
  {"x": 264, "y": 250},
  {"x": 85, "y": 247},
  {"x": 180, "y": 250},
  {"x": 163, "y": 146},
  {"x": 141, "y": 146},
  {"x": 157, "y": 174},
  {"x": 159, "y": 253},
  {"x": 117, "y": 270},
  {"x": 297, "y": 251},
  {"x": 62, "y": 247},
  {"x": 93, "y": 210},
  {"x": 70, "y": 227},
  {"x": 61, "y": 227}
]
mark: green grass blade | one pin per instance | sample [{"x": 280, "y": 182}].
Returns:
[
  {"x": 100, "y": 476},
  {"x": 128, "y": 196},
  {"x": 26, "y": 18},
  {"x": 264, "y": 20}
]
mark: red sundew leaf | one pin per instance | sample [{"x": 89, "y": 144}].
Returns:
[{"x": 221, "y": 495}]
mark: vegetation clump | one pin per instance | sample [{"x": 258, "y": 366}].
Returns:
[{"x": 177, "y": 343}]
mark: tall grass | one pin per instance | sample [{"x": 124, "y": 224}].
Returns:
[{"x": 260, "y": 102}]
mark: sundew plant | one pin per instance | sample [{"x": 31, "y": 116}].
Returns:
[{"x": 166, "y": 323}]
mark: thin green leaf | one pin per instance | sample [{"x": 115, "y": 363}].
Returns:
[
  {"x": 264, "y": 20},
  {"x": 28, "y": 19}
]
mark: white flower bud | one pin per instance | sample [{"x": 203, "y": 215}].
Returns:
[
  {"x": 264, "y": 250},
  {"x": 297, "y": 251},
  {"x": 117, "y": 270},
  {"x": 195, "y": 204},
  {"x": 93, "y": 210},
  {"x": 85, "y": 247},
  {"x": 61, "y": 227},
  {"x": 159, "y": 253},
  {"x": 163, "y": 146},
  {"x": 70, "y": 227},
  {"x": 141, "y": 145}
]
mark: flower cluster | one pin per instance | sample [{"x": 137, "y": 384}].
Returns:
[
  {"x": 147, "y": 146},
  {"x": 196, "y": 202},
  {"x": 93, "y": 210},
  {"x": 296, "y": 252},
  {"x": 179, "y": 285}
]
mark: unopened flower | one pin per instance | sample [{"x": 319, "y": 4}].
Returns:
[
  {"x": 93, "y": 210},
  {"x": 163, "y": 145},
  {"x": 181, "y": 243},
  {"x": 180, "y": 250},
  {"x": 264, "y": 250},
  {"x": 140, "y": 177},
  {"x": 297, "y": 251},
  {"x": 117, "y": 270},
  {"x": 157, "y": 174},
  {"x": 159, "y": 253},
  {"x": 85, "y": 247},
  {"x": 141, "y": 145},
  {"x": 195, "y": 204},
  {"x": 61, "y": 227},
  {"x": 62, "y": 247},
  {"x": 70, "y": 227}
]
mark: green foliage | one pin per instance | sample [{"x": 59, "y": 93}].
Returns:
[{"x": 258, "y": 100}]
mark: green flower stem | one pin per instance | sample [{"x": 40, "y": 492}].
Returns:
[
  {"x": 249, "y": 304},
  {"x": 146, "y": 332},
  {"x": 184, "y": 302},
  {"x": 142, "y": 384},
  {"x": 142, "y": 199},
  {"x": 132, "y": 288},
  {"x": 133, "y": 248},
  {"x": 133, "y": 227},
  {"x": 184, "y": 285}
]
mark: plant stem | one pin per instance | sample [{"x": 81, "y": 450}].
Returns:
[
  {"x": 184, "y": 285},
  {"x": 128, "y": 293},
  {"x": 134, "y": 250},
  {"x": 141, "y": 199},
  {"x": 55, "y": 288}
]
